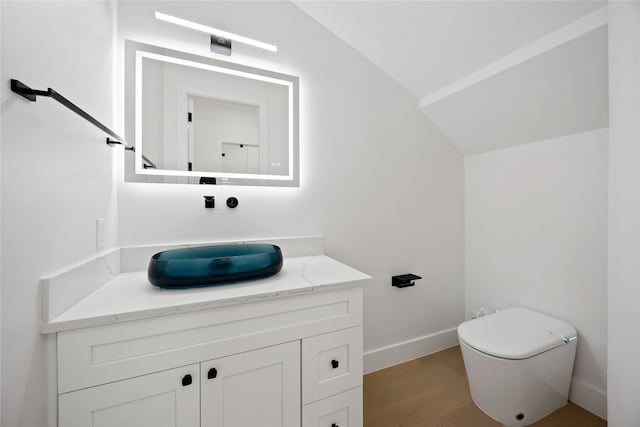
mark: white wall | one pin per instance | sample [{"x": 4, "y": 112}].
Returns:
[
  {"x": 57, "y": 177},
  {"x": 377, "y": 178},
  {"x": 624, "y": 214},
  {"x": 536, "y": 236}
]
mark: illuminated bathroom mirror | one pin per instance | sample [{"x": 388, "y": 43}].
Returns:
[{"x": 200, "y": 120}]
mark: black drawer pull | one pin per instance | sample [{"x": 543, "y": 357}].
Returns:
[
  {"x": 186, "y": 380},
  {"x": 335, "y": 364},
  {"x": 334, "y": 425},
  {"x": 213, "y": 372}
]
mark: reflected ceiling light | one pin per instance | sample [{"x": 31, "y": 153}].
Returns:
[{"x": 215, "y": 33}]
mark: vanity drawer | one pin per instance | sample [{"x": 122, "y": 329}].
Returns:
[
  {"x": 331, "y": 363},
  {"x": 341, "y": 410}
]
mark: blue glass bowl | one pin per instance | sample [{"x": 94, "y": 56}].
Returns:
[{"x": 213, "y": 265}]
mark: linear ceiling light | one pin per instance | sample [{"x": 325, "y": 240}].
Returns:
[{"x": 215, "y": 31}]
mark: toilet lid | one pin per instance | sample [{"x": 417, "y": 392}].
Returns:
[{"x": 516, "y": 333}]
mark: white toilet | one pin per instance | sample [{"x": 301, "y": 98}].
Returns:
[{"x": 519, "y": 363}]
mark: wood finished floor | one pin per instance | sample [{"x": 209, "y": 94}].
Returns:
[{"x": 433, "y": 392}]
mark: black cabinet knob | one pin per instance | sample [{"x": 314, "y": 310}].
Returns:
[
  {"x": 334, "y": 425},
  {"x": 186, "y": 380},
  {"x": 213, "y": 372},
  {"x": 335, "y": 363}
]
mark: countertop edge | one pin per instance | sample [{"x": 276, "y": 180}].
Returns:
[{"x": 68, "y": 325}]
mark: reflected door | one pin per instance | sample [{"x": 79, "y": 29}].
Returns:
[{"x": 224, "y": 136}]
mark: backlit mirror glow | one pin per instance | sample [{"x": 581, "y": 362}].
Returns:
[{"x": 205, "y": 121}]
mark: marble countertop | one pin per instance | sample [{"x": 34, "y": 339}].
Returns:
[{"x": 130, "y": 296}]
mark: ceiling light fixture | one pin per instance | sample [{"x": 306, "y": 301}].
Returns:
[{"x": 218, "y": 42}]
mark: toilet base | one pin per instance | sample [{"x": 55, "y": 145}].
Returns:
[{"x": 518, "y": 393}]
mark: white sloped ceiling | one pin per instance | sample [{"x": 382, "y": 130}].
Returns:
[{"x": 427, "y": 46}]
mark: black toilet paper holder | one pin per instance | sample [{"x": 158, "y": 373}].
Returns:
[{"x": 404, "y": 280}]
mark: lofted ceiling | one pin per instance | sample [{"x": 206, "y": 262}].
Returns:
[{"x": 430, "y": 46}]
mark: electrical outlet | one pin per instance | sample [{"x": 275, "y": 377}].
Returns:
[{"x": 101, "y": 225}]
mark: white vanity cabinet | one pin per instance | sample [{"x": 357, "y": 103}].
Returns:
[
  {"x": 254, "y": 388},
  {"x": 281, "y": 361}
]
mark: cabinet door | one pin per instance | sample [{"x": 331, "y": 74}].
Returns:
[
  {"x": 164, "y": 399},
  {"x": 256, "y": 388}
]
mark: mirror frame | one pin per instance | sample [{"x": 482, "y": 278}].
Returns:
[{"x": 135, "y": 52}]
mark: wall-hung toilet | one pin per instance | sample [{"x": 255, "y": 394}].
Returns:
[{"x": 519, "y": 363}]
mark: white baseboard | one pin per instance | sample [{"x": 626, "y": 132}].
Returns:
[
  {"x": 589, "y": 397},
  {"x": 383, "y": 357}
]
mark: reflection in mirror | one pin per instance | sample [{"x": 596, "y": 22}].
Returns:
[
  {"x": 224, "y": 136},
  {"x": 202, "y": 120}
]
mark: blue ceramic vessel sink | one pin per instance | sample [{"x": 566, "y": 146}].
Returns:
[{"x": 213, "y": 265}]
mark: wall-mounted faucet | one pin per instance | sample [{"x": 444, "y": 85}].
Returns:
[{"x": 210, "y": 202}]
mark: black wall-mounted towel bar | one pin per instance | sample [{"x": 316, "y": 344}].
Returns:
[{"x": 32, "y": 94}]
